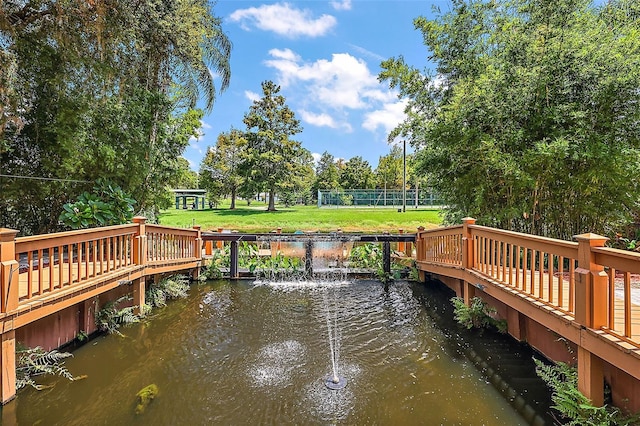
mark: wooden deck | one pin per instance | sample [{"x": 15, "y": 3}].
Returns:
[{"x": 558, "y": 292}]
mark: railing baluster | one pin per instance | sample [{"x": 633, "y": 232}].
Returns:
[
  {"x": 29, "y": 274},
  {"x": 40, "y": 272},
  {"x": 550, "y": 268},
  {"x": 541, "y": 274},
  {"x": 627, "y": 304},
  {"x": 60, "y": 266},
  {"x": 572, "y": 294},
  {"x": 517, "y": 263},
  {"x": 51, "y": 268},
  {"x": 561, "y": 281},
  {"x": 611, "y": 272}
]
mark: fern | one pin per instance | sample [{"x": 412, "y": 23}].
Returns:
[
  {"x": 478, "y": 315},
  {"x": 172, "y": 287},
  {"x": 33, "y": 362},
  {"x": 572, "y": 404},
  {"x": 110, "y": 318}
]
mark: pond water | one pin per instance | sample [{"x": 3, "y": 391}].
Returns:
[{"x": 237, "y": 353}]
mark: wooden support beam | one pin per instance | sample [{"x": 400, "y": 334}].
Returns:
[
  {"x": 139, "y": 289},
  {"x": 590, "y": 376},
  {"x": 233, "y": 270},
  {"x": 386, "y": 257},
  {"x": 8, "y": 366},
  {"x": 9, "y": 269},
  {"x": 308, "y": 258}
]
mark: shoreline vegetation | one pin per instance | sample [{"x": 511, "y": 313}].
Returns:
[{"x": 255, "y": 219}]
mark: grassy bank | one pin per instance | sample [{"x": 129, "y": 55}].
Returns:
[{"x": 255, "y": 218}]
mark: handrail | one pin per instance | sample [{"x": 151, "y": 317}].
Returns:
[
  {"x": 547, "y": 271},
  {"x": 45, "y": 265}
]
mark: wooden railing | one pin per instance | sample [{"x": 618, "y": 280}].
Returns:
[
  {"x": 581, "y": 283},
  {"x": 164, "y": 243},
  {"x": 442, "y": 247},
  {"x": 54, "y": 261},
  {"x": 43, "y": 266},
  {"x": 623, "y": 309},
  {"x": 544, "y": 269}
]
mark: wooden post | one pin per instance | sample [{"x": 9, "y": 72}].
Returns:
[
  {"x": 591, "y": 310},
  {"x": 219, "y": 244},
  {"x": 419, "y": 244},
  {"x": 233, "y": 270},
  {"x": 468, "y": 257},
  {"x": 386, "y": 257},
  {"x": 197, "y": 251},
  {"x": 9, "y": 270},
  {"x": 208, "y": 247},
  {"x": 9, "y": 283},
  {"x": 8, "y": 365},
  {"x": 591, "y": 283},
  {"x": 139, "y": 288},
  {"x": 467, "y": 243},
  {"x": 279, "y": 231},
  {"x": 140, "y": 241},
  {"x": 590, "y": 376},
  {"x": 308, "y": 258},
  {"x": 402, "y": 246}
]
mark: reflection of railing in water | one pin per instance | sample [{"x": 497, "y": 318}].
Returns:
[{"x": 310, "y": 243}]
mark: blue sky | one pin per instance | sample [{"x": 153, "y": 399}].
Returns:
[{"x": 326, "y": 57}]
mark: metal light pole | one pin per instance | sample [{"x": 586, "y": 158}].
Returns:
[{"x": 404, "y": 176}]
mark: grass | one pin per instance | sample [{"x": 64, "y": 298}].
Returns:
[{"x": 256, "y": 219}]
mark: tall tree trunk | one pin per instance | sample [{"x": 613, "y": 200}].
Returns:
[
  {"x": 272, "y": 203},
  {"x": 233, "y": 198}
]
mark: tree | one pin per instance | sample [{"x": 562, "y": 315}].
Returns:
[
  {"x": 221, "y": 168},
  {"x": 357, "y": 174},
  {"x": 531, "y": 120},
  {"x": 96, "y": 89},
  {"x": 185, "y": 177},
  {"x": 298, "y": 189},
  {"x": 389, "y": 171},
  {"x": 272, "y": 158},
  {"x": 327, "y": 174}
]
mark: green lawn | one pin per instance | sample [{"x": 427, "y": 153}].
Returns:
[{"x": 303, "y": 218}]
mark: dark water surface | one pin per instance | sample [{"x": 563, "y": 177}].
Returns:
[{"x": 243, "y": 353}]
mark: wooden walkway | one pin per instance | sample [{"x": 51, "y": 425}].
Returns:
[
  {"x": 582, "y": 291},
  {"x": 558, "y": 292}
]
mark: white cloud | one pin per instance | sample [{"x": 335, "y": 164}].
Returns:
[
  {"x": 341, "y": 5},
  {"x": 316, "y": 158},
  {"x": 204, "y": 125},
  {"x": 342, "y": 82},
  {"x": 320, "y": 120},
  {"x": 323, "y": 120},
  {"x": 252, "y": 96},
  {"x": 388, "y": 117},
  {"x": 283, "y": 19}
]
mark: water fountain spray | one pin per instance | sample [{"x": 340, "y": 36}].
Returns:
[{"x": 333, "y": 381}]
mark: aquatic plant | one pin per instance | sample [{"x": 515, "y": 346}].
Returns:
[
  {"x": 479, "y": 314},
  {"x": 171, "y": 287},
  {"x": 213, "y": 269},
  {"x": 33, "y": 362},
  {"x": 145, "y": 396},
  {"x": 414, "y": 273},
  {"x": 366, "y": 256},
  {"x": 110, "y": 318},
  {"x": 572, "y": 404}
]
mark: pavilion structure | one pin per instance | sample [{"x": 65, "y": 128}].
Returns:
[{"x": 191, "y": 198}]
